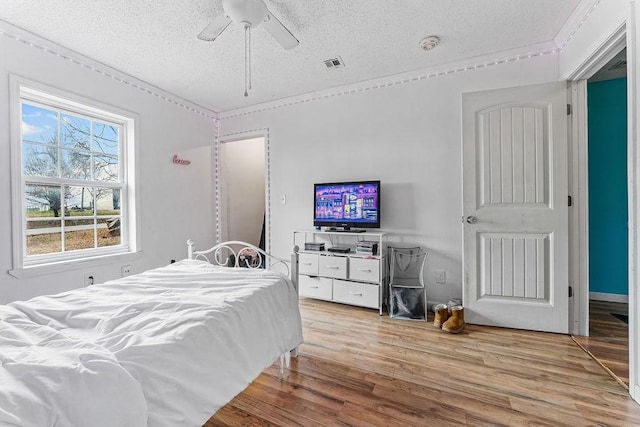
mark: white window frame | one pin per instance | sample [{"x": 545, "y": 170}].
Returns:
[{"x": 41, "y": 95}]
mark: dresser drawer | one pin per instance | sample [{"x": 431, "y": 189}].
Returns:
[
  {"x": 308, "y": 264},
  {"x": 366, "y": 270},
  {"x": 333, "y": 266},
  {"x": 355, "y": 293},
  {"x": 315, "y": 287}
]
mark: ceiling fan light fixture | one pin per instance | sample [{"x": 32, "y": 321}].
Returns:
[
  {"x": 429, "y": 43},
  {"x": 246, "y": 11},
  {"x": 249, "y": 14}
]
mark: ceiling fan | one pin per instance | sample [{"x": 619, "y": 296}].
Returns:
[{"x": 249, "y": 14}]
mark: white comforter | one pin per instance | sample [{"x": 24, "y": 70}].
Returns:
[{"x": 167, "y": 347}]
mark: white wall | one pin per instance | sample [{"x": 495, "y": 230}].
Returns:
[
  {"x": 175, "y": 201},
  {"x": 243, "y": 175},
  {"x": 407, "y": 135}
]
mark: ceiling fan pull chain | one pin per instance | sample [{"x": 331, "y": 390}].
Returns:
[{"x": 248, "y": 13}]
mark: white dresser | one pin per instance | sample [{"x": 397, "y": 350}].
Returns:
[{"x": 349, "y": 278}]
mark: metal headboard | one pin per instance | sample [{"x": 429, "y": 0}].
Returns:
[{"x": 235, "y": 253}]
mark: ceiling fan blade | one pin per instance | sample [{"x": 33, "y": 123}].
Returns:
[
  {"x": 280, "y": 32},
  {"x": 215, "y": 28}
]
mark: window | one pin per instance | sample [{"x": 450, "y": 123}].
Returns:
[{"x": 74, "y": 172}]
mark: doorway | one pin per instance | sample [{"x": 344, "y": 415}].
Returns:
[
  {"x": 243, "y": 190},
  {"x": 608, "y": 331}
]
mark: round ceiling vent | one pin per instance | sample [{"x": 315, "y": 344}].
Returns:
[{"x": 429, "y": 43}]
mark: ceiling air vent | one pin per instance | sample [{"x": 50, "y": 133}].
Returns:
[
  {"x": 619, "y": 65},
  {"x": 334, "y": 62}
]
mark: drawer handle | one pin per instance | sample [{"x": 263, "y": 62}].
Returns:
[
  {"x": 314, "y": 287},
  {"x": 355, "y": 293},
  {"x": 334, "y": 267},
  {"x": 307, "y": 263},
  {"x": 368, "y": 270}
]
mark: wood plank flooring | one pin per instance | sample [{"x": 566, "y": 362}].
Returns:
[
  {"x": 608, "y": 340},
  {"x": 360, "y": 369}
]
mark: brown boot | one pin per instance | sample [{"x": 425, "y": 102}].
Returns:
[
  {"x": 442, "y": 314},
  {"x": 456, "y": 321}
]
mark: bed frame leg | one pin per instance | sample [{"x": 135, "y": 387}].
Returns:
[{"x": 285, "y": 360}]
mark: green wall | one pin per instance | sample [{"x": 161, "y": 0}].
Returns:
[{"x": 608, "y": 262}]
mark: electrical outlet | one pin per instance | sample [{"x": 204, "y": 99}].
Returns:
[
  {"x": 126, "y": 270},
  {"x": 441, "y": 276},
  {"x": 89, "y": 278}
]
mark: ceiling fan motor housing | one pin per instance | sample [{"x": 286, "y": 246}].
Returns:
[{"x": 253, "y": 12}]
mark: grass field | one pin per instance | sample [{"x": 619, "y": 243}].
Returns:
[
  {"x": 70, "y": 212},
  {"x": 39, "y": 244}
]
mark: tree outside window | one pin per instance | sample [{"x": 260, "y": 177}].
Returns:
[{"x": 71, "y": 180}]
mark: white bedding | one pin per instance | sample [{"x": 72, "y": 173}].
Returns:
[{"x": 167, "y": 347}]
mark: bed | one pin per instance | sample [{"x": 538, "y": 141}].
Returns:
[{"x": 167, "y": 347}]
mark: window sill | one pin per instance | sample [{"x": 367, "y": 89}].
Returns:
[{"x": 80, "y": 264}]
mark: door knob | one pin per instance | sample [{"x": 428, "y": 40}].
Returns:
[{"x": 471, "y": 219}]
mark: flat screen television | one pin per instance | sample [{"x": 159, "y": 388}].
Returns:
[{"x": 347, "y": 204}]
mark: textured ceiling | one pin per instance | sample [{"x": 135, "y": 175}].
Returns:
[{"x": 155, "y": 40}]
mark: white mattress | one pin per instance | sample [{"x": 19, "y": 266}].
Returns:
[{"x": 167, "y": 347}]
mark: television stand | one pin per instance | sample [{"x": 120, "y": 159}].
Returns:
[
  {"x": 357, "y": 276},
  {"x": 345, "y": 230}
]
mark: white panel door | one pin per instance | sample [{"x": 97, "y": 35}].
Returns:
[{"x": 515, "y": 217}]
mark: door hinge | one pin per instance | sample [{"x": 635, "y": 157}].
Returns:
[
  {"x": 568, "y": 109},
  {"x": 570, "y": 201},
  {"x": 570, "y": 291}
]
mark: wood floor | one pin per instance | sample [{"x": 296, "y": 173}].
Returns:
[
  {"x": 357, "y": 368},
  {"x": 608, "y": 340}
]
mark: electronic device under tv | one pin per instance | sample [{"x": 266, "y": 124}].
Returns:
[{"x": 347, "y": 205}]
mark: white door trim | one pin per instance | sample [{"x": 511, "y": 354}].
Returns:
[
  {"x": 221, "y": 217},
  {"x": 579, "y": 212},
  {"x": 579, "y": 179},
  {"x": 633, "y": 154},
  {"x": 579, "y": 267},
  {"x": 601, "y": 55}
]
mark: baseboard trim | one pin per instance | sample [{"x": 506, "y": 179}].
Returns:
[{"x": 601, "y": 296}]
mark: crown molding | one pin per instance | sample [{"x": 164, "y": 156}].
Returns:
[
  {"x": 469, "y": 64},
  {"x": 49, "y": 47},
  {"x": 579, "y": 16}
]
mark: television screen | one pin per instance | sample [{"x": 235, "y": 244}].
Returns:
[{"x": 347, "y": 204}]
